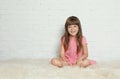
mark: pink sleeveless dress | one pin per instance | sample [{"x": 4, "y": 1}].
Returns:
[{"x": 71, "y": 54}]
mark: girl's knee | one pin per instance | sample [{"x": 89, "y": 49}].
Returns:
[
  {"x": 56, "y": 62},
  {"x": 85, "y": 63},
  {"x": 53, "y": 61}
]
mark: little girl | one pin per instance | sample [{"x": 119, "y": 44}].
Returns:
[{"x": 73, "y": 50}]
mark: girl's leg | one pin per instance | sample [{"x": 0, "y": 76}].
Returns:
[
  {"x": 58, "y": 62},
  {"x": 84, "y": 63}
]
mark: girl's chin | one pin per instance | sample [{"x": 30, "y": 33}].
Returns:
[{"x": 73, "y": 35}]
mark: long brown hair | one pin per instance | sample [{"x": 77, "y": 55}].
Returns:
[{"x": 72, "y": 20}]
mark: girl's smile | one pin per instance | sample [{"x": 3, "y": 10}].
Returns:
[{"x": 73, "y": 30}]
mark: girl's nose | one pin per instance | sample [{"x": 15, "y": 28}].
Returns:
[{"x": 73, "y": 28}]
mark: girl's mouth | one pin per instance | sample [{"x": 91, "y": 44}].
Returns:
[{"x": 73, "y": 31}]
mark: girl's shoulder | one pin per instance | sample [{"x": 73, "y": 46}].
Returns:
[
  {"x": 63, "y": 39},
  {"x": 84, "y": 41},
  {"x": 83, "y": 37}
]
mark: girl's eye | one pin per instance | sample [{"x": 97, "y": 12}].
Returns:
[
  {"x": 75, "y": 26},
  {"x": 69, "y": 27}
]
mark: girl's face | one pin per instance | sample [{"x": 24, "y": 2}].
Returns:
[{"x": 73, "y": 30}]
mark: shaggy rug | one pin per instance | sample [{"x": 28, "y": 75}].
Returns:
[{"x": 42, "y": 69}]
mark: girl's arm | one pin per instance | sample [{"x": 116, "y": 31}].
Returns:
[
  {"x": 85, "y": 52},
  {"x": 62, "y": 55}
]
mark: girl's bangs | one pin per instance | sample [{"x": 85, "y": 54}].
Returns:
[{"x": 72, "y": 23}]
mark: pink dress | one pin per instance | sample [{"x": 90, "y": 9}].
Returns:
[{"x": 71, "y": 54}]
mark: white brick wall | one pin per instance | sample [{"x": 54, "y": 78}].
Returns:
[{"x": 33, "y": 28}]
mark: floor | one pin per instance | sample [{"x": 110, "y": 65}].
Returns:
[{"x": 42, "y": 69}]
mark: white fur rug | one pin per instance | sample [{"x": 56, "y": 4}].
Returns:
[{"x": 42, "y": 69}]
